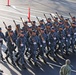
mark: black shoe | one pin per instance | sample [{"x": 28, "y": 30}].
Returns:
[
  {"x": 14, "y": 48},
  {"x": 44, "y": 61},
  {"x": 37, "y": 57},
  {"x": 47, "y": 55},
  {"x": 26, "y": 54},
  {"x": 67, "y": 53},
  {"x": 29, "y": 60},
  {"x": 17, "y": 54},
  {"x": 23, "y": 66},
  {"x": 6, "y": 51},
  {"x": 73, "y": 51},
  {"x": 55, "y": 59},
  {"x": 13, "y": 63},
  {"x": 36, "y": 64},
  {"x": 2, "y": 59},
  {"x": 6, "y": 59},
  {"x": 17, "y": 63}
]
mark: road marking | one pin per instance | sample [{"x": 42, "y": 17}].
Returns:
[
  {"x": 37, "y": 11},
  {"x": 8, "y": 18},
  {"x": 20, "y": 13},
  {"x": 58, "y": 66}
]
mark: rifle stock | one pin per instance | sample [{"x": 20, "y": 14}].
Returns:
[
  {"x": 21, "y": 20},
  {"x": 70, "y": 15},
  {"x": 58, "y": 16},
  {"x": 52, "y": 16},
  {"x": 5, "y": 25},
  {"x": 18, "y": 30},
  {"x": 8, "y": 32},
  {"x": 38, "y": 19},
  {"x": 14, "y": 22},
  {"x": 45, "y": 17}
]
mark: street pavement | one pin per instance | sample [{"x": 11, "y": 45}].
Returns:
[{"x": 19, "y": 8}]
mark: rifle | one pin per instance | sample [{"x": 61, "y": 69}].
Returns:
[
  {"x": 70, "y": 15},
  {"x": 38, "y": 19},
  {"x": 22, "y": 20},
  {"x": 14, "y": 22},
  {"x": 16, "y": 27},
  {"x": 13, "y": 47},
  {"x": 8, "y": 32},
  {"x": 58, "y": 16},
  {"x": 5, "y": 25},
  {"x": 52, "y": 17},
  {"x": 70, "y": 22},
  {"x": 45, "y": 17}
]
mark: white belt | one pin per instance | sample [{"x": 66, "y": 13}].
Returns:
[
  {"x": 54, "y": 38},
  {"x": 66, "y": 40},
  {"x": 21, "y": 44},
  {"x": 40, "y": 45},
  {"x": 59, "y": 41},
  {"x": 74, "y": 33},
  {"x": 44, "y": 41},
  {"x": 34, "y": 43},
  {"x": 49, "y": 43},
  {"x": 69, "y": 35},
  {"x": 63, "y": 37}
]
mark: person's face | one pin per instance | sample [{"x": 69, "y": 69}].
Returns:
[
  {"x": 56, "y": 20},
  {"x": 11, "y": 33},
  {"x": 66, "y": 20},
  {"x": 73, "y": 19},
  {"x": 41, "y": 22},
  {"x": 42, "y": 31},
  {"x": 49, "y": 20},
  {"x": 25, "y": 24},
  {"x": 48, "y": 27},
  {"x": 33, "y": 23},
  {"x": 73, "y": 24},
  {"x": 67, "y": 27},
  {"x": 9, "y": 29},
  {"x": 22, "y": 35},
  {"x": 33, "y": 33},
  {"x": 29, "y": 29},
  {"x": 52, "y": 30},
  {"x": 60, "y": 22},
  {"x": 60, "y": 29}
]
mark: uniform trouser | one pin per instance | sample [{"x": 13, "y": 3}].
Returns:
[
  {"x": 41, "y": 52},
  {"x": 67, "y": 44},
  {"x": 33, "y": 55},
  {"x": 72, "y": 44},
  {"x": 1, "y": 56},
  {"x": 62, "y": 45},
  {"x": 21, "y": 55},
  {"x": 52, "y": 49},
  {"x": 10, "y": 54}
]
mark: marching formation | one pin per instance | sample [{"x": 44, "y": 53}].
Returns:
[{"x": 56, "y": 36}]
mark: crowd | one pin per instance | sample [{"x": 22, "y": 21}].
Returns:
[{"x": 56, "y": 36}]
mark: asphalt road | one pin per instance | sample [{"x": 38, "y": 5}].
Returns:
[{"x": 19, "y": 8}]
